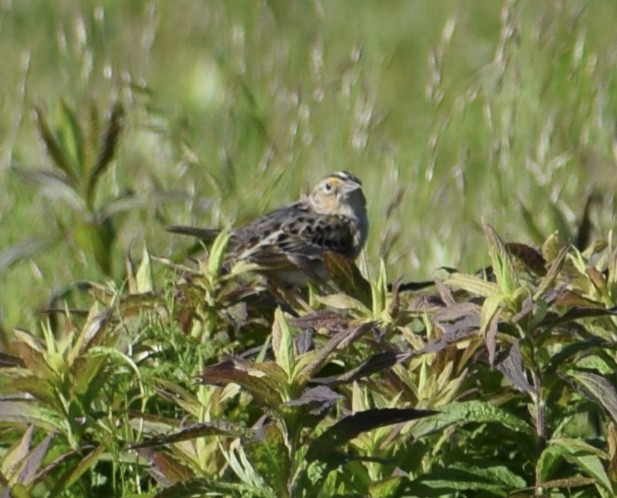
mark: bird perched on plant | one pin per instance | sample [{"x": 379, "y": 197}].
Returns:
[{"x": 289, "y": 243}]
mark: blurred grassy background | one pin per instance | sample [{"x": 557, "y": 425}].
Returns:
[{"x": 451, "y": 113}]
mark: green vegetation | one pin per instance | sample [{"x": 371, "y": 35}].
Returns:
[{"x": 122, "y": 117}]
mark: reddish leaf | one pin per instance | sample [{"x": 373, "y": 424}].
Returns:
[
  {"x": 353, "y": 425},
  {"x": 512, "y": 369}
]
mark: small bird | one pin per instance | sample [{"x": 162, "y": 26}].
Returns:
[{"x": 289, "y": 243}]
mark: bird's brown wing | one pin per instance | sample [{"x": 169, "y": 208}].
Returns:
[{"x": 306, "y": 236}]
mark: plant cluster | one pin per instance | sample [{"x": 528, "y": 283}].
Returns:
[{"x": 217, "y": 383}]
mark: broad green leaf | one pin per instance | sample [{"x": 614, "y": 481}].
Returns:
[
  {"x": 586, "y": 457},
  {"x": 93, "y": 333},
  {"x": 472, "y": 412},
  {"x": 551, "y": 275},
  {"x": 19, "y": 491},
  {"x": 386, "y": 488},
  {"x": 472, "y": 284}
]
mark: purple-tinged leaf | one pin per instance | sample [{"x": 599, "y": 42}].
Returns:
[
  {"x": 597, "y": 388},
  {"x": 311, "y": 363},
  {"x": 530, "y": 256},
  {"x": 353, "y": 425},
  {"x": 512, "y": 369},
  {"x": 14, "y": 457},
  {"x": 318, "y": 399},
  {"x": 375, "y": 363},
  {"x": 34, "y": 361},
  {"x": 266, "y": 382},
  {"x": 347, "y": 277},
  {"x": 322, "y": 319},
  {"x": 193, "y": 431},
  {"x": 33, "y": 461}
]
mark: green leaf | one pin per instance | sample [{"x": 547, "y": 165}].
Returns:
[
  {"x": 472, "y": 412},
  {"x": 23, "y": 250},
  {"x": 107, "y": 149},
  {"x": 282, "y": 343},
  {"x": 472, "y": 284},
  {"x": 489, "y": 316},
  {"x": 583, "y": 455},
  {"x": 95, "y": 239},
  {"x": 144, "y": 278},
  {"x": 238, "y": 461},
  {"x": 501, "y": 261},
  {"x": 553, "y": 272},
  {"x": 54, "y": 149},
  {"x": 41, "y": 389},
  {"x": 386, "y": 488},
  {"x": 29, "y": 412},
  {"x": 19, "y": 491},
  {"x": 217, "y": 253},
  {"x": 270, "y": 457},
  {"x": 497, "y": 481},
  {"x": 70, "y": 135}
]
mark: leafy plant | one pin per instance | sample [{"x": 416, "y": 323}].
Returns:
[{"x": 80, "y": 156}]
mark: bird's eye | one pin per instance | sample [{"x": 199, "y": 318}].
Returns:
[{"x": 328, "y": 187}]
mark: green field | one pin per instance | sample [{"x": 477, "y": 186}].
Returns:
[{"x": 455, "y": 115}]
